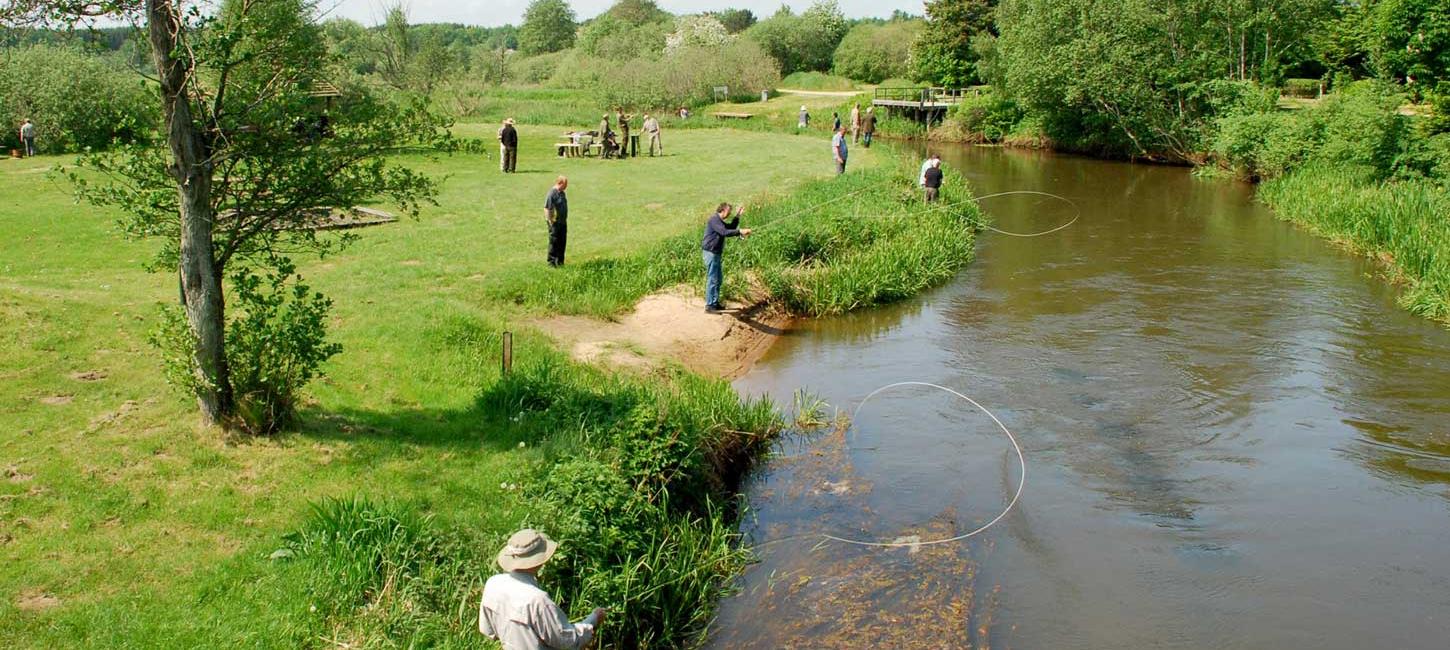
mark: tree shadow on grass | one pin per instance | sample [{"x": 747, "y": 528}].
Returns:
[{"x": 471, "y": 428}]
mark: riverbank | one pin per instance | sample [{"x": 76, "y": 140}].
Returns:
[{"x": 375, "y": 521}]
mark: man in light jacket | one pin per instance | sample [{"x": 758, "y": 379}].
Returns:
[
  {"x": 520, "y": 615},
  {"x": 652, "y": 127}
]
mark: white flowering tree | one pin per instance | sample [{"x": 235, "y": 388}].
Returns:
[{"x": 697, "y": 31}]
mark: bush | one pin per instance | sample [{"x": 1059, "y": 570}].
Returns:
[
  {"x": 988, "y": 115},
  {"x": 76, "y": 100},
  {"x": 872, "y": 53},
  {"x": 816, "y": 81},
  {"x": 535, "y": 69},
  {"x": 686, "y": 78},
  {"x": 276, "y": 340}
]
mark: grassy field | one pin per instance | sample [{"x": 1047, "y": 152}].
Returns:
[{"x": 124, "y": 524}]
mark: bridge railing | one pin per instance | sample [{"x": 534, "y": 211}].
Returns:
[{"x": 923, "y": 94}]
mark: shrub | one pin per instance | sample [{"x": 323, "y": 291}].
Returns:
[
  {"x": 872, "y": 53},
  {"x": 686, "y": 78},
  {"x": 76, "y": 100},
  {"x": 988, "y": 114},
  {"x": 535, "y": 69},
  {"x": 276, "y": 341}
]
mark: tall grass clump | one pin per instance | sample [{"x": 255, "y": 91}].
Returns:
[
  {"x": 638, "y": 484},
  {"x": 833, "y": 245},
  {"x": 1402, "y": 222},
  {"x": 378, "y": 571}
]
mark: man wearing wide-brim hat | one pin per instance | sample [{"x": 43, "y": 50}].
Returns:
[{"x": 516, "y": 612}]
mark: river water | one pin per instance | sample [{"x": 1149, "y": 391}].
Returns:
[{"x": 1233, "y": 438}]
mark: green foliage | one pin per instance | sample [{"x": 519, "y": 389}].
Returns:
[
  {"x": 988, "y": 116},
  {"x": 613, "y": 38},
  {"x": 816, "y": 81},
  {"x": 943, "y": 55},
  {"x": 1359, "y": 126},
  {"x": 76, "y": 100},
  {"x": 382, "y": 571},
  {"x": 637, "y": 12},
  {"x": 548, "y": 27},
  {"x": 872, "y": 53},
  {"x": 636, "y": 490},
  {"x": 276, "y": 342},
  {"x": 687, "y": 77},
  {"x": 1118, "y": 78},
  {"x": 1401, "y": 222},
  {"x": 1304, "y": 88},
  {"x": 735, "y": 20},
  {"x": 1409, "y": 41},
  {"x": 805, "y": 42}
]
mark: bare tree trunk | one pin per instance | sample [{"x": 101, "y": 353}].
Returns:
[{"x": 201, "y": 279}]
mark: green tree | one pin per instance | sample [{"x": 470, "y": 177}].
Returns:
[
  {"x": 943, "y": 54},
  {"x": 1409, "y": 41},
  {"x": 872, "y": 53},
  {"x": 736, "y": 20},
  {"x": 805, "y": 42},
  {"x": 247, "y": 166},
  {"x": 638, "y": 12},
  {"x": 548, "y": 27}
]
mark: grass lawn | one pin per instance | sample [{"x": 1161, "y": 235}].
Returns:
[{"x": 125, "y": 524}]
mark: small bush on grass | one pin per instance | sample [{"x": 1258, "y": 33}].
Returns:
[{"x": 276, "y": 342}]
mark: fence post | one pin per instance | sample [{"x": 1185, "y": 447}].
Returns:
[{"x": 508, "y": 352}]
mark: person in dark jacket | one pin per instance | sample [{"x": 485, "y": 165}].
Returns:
[
  {"x": 868, "y": 126},
  {"x": 508, "y": 143},
  {"x": 931, "y": 180},
  {"x": 556, "y": 212},
  {"x": 713, "y": 246}
]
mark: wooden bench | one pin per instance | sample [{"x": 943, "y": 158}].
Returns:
[
  {"x": 569, "y": 149},
  {"x": 733, "y": 116}
]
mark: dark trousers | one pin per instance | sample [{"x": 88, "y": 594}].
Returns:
[
  {"x": 840, "y": 167},
  {"x": 29, "y": 146},
  {"x": 558, "y": 235},
  {"x": 508, "y": 159},
  {"x": 932, "y": 193},
  {"x": 866, "y": 138}
]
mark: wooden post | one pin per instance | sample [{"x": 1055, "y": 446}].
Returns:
[{"x": 508, "y": 352}]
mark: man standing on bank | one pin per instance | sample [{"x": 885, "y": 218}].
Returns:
[
  {"x": 556, "y": 211},
  {"x": 868, "y": 127},
  {"x": 652, "y": 128},
  {"x": 508, "y": 144},
  {"x": 931, "y": 180},
  {"x": 521, "y": 616},
  {"x": 856, "y": 123},
  {"x": 712, "y": 247},
  {"x": 838, "y": 150}
]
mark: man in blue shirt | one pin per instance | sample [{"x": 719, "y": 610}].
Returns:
[
  {"x": 556, "y": 211},
  {"x": 713, "y": 246},
  {"x": 838, "y": 150}
]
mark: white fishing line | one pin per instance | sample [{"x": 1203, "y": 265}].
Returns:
[
  {"x": 1021, "y": 477},
  {"x": 986, "y": 226}
]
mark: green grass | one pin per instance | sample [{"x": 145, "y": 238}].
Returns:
[
  {"x": 150, "y": 531},
  {"x": 1402, "y": 223},
  {"x": 817, "y": 81}
]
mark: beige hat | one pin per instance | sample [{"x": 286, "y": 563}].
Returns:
[
  {"x": 526, "y": 549},
  {"x": 509, "y": 121}
]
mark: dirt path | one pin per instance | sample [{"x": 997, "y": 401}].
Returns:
[{"x": 673, "y": 325}]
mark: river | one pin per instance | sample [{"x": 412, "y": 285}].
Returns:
[{"x": 1233, "y": 439}]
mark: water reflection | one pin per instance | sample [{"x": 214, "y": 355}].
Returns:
[{"x": 1235, "y": 439}]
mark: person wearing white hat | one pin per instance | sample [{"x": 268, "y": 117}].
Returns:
[
  {"x": 521, "y": 616},
  {"x": 508, "y": 142},
  {"x": 804, "y": 120}
]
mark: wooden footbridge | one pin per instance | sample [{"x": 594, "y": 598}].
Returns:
[{"x": 925, "y": 104}]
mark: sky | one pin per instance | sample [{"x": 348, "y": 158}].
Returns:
[{"x": 491, "y": 13}]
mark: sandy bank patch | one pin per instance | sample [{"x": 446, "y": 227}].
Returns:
[
  {"x": 673, "y": 325},
  {"x": 36, "y": 602}
]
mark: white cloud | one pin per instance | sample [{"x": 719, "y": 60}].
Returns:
[{"x": 492, "y": 13}]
